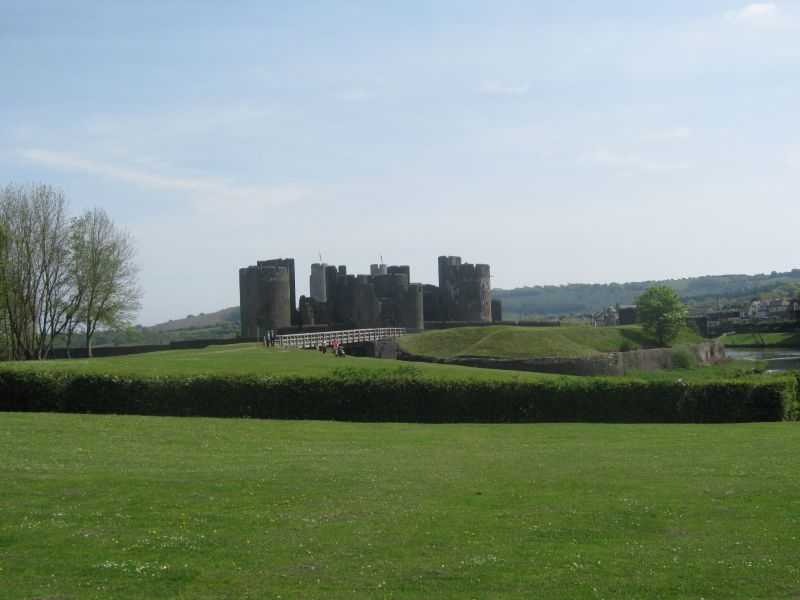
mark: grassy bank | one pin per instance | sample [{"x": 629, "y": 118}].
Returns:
[
  {"x": 789, "y": 339},
  {"x": 132, "y": 507},
  {"x": 532, "y": 342},
  {"x": 250, "y": 359}
]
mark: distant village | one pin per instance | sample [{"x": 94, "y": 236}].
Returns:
[
  {"x": 722, "y": 320},
  {"x": 708, "y": 320}
]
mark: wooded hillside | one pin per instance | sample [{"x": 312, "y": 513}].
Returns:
[{"x": 710, "y": 290}]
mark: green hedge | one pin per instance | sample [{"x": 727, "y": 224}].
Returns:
[{"x": 358, "y": 397}]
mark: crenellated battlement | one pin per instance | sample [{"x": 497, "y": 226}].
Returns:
[{"x": 385, "y": 297}]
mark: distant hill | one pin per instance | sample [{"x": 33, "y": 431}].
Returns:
[
  {"x": 226, "y": 315},
  {"x": 709, "y": 290},
  {"x": 578, "y": 298},
  {"x": 221, "y": 324}
]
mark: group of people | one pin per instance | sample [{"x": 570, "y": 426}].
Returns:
[
  {"x": 269, "y": 338},
  {"x": 338, "y": 350}
]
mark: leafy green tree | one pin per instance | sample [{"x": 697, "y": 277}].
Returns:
[
  {"x": 36, "y": 291},
  {"x": 57, "y": 274},
  {"x": 104, "y": 274},
  {"x": 661, "y": 313}
]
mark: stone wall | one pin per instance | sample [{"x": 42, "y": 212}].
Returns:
[
  {"x": 99, "y": 351},
  {"x": 497, "y": 310},
  {"x": 612, "y": 363}
]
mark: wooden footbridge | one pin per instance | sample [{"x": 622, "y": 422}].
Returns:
[{"x": 350, "y": 336}]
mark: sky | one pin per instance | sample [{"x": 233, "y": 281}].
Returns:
[{"x": 575, "y": 142}]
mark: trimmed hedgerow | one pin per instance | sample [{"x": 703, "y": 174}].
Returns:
[{"x": 354, "y": 396}]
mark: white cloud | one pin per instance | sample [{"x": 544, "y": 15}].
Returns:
[
  {"x": 355, "y": 95},
  {"x": 792, "y": 158},
  {"x": 507, "y": 89},
  {"x": 187, "y": 122},
  {"x": 680, "y": 132},
  {"x": 755, "y": 14},
  {"x": 605, "y": 157},
  {"x": 213, "y": 193}
]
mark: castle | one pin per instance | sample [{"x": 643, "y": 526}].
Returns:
[{"x": 384, "y": 298}]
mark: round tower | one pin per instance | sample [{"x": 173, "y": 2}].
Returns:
[
  {"x": 475, "y": 293},
  {"x": 411, "y": 316},
  {"x": 265, "y": 299},
  {"x": 318, "y": 282}
]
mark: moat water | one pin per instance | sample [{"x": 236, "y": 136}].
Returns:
[{"x": 778, "y": 359}]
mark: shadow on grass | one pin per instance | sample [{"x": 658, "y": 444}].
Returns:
[
  {"x": 638, "y": 337},
  {"x": 792, "y": 340}
]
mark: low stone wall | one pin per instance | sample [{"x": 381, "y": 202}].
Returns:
[
  {"x": 612, "y": 363},
  {"x": 454, "y": 324},
  {"x": 373, "y": 349},
  {"x": 99, "y": 351}
]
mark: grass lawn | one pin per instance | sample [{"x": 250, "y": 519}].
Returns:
[
  {"x": 782, "y": 339},
  {"x": 733, "y": 369},
  {"x": 531, "y": 342},
  {"x": 248, "y": 359},
  {"x": 144, "y": 507}
]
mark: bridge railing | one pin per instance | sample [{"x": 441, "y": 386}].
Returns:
[{"x": 350, "y": 336}]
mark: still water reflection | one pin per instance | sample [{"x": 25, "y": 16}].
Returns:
[{"x": 778, "y": 359}]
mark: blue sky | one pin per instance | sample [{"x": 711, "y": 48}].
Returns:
[{"x": 558, "y": 142}]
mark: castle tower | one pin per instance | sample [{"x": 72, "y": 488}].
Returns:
[
  {"x": 411, "y": 313},
  {"x": 264, "y": 299},
  {"x": 288, "y": 264},
  {"x": 475, "y": 293},
  {"x": 331, "y": 273},
  {"x": 465, "y": 291},
  {"x": 318, "y": 281}
]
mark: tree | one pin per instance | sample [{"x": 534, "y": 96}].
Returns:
[
  {"x": 661, "y": 313},
  {"x": 57, "y": 275},
  {"x": 34, "y": 276},
  {"x": 4, "y": 340},
  {"x": 104, "y": 275}
]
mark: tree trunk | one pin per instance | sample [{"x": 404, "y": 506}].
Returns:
[{"x": 89, "y": 338}]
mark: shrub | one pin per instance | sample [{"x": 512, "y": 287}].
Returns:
[
  {"x": 354, "y": 396},
  {"x": 682, "y": 358},
  {"x": 625, "y": 346}
]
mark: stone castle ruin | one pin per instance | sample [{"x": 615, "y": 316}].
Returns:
[{"x": 384, "y": 298}]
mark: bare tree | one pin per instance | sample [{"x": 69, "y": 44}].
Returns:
[
  {"x": 35, "y": 285},
  {"x": 104, "y": 274}
]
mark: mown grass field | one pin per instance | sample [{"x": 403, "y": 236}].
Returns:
[
  {"x": 531, "y": 342},
  {"x": 145, "y": 507},
  {"x": 251, "y": 359},
  {"x": 734, "y": 369}
]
